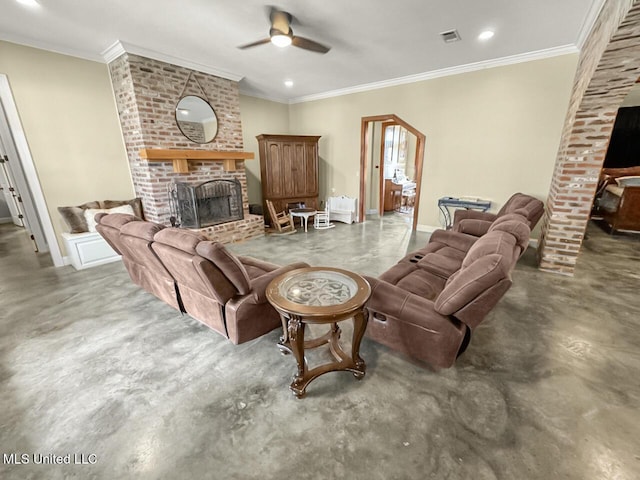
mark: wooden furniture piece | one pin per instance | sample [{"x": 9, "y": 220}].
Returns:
[
  {"x": 617, "y": 201},
  {"x": 289, "y": 169},
  {"x": 392, "y": 195},
  {"x": 180, "y": 158},
  {"x": 304, "y": 214},
  {"x": 320, "y": 295},
  {"x": 282, "y": 222}
]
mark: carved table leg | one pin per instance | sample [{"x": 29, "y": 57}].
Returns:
[
  {"x": 359, "y": 326},
  {"x": 283, "y": 344},
  {"x": 296, "y": 340}
]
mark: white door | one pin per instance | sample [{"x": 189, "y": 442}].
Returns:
[{"x": 10, "y": 193}]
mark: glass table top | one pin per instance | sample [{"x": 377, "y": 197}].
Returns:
[{"x": 321, "y": 288}]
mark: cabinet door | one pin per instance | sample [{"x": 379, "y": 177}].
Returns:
[
  {"x": 310, "y": 161},
  {"x": 274, "y": 170},
  {"x": 289, "y": 164}
]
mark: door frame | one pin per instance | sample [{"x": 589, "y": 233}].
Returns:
[
  {"x": 365, "y": 149},
  {"x": 35, "y": 205}
]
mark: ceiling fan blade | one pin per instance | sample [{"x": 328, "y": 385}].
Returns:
[
  {"x": 255, "y": 44},
  {"x": 309, "y": 45}
]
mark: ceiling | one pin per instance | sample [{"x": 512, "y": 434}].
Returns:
[{"x": 371, "y": 40}]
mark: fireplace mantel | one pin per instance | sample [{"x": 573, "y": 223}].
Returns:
[{"x": 180, "y": 158}]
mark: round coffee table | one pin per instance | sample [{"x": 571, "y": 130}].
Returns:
[
  {"x": 304, "y": 213},
  {"x": 320, "y": 295}
]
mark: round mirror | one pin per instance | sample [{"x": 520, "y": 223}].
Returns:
[{"x": 196, "y": 119}]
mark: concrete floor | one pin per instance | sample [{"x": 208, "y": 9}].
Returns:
[{"x": 549, "y": 387}]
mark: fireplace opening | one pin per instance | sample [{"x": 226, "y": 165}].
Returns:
[{"x": 210, "y": 203}]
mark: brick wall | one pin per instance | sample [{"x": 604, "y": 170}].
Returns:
[
  {"x": 147, "y": 92},
  {"x": 609, "y": 66}
]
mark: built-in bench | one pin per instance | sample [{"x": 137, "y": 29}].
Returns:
[{"x": 89, "y": 249}]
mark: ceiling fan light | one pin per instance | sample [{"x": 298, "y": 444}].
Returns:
[{"x": 281, "y": 40}]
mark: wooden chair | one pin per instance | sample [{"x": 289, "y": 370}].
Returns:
[{"x": 280, "y": 221}]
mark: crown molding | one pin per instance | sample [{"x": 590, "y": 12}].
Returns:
[
  {"x": 445, "y": 72},
  {"x": 589, "y": 22},
  {"x": 49, "y": 46},
  {"x": 249, "y": 93},
  {"x": 118, "y": 48}
]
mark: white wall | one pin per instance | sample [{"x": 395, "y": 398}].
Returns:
[
  {"x": 489, "y": 133},
  {"x": 70, "y": 120},
  {"x": 259, "y": 116}
]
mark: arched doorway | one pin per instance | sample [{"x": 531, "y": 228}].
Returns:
[{"x": 365, "y": 147}]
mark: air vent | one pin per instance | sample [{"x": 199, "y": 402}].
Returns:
[{"x": 450, "y": 36}]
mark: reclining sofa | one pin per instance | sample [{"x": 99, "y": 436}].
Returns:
[
  {"x": 427, "y": 305},
  {"x": 196, "y": 276}
]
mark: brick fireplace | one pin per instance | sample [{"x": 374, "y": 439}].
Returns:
[{"x": 147, "y": 92}]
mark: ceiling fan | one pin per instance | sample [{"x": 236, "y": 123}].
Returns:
[{"x": 282, "y": 35}]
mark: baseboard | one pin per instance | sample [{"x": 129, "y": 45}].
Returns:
[
  {"x": 66, "y": 260},
  {"x": 371, "y": 211},
  {"x": 427, "y": 228},
  {"x": 6, "y": 220}
]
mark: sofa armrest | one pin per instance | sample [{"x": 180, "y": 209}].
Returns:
[
  {"x": 394, "y": 302},
  {"x": 259, "y": 285},
  {"x": 457, "y": 240},
  {"x": 255, "y": 262},
  {"x": 461, "y": 214},
  {"x": 472, "y": 226},
  {"x": 390, "y": 299}
]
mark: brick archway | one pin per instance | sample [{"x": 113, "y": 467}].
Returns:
[{"x": 609, "y": 66}]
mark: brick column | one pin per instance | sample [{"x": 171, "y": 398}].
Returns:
[
  {"x": 147, "y": 92},
  {"x": 608, "y": 68}
]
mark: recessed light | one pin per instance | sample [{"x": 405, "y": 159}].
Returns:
[
  {"x": 288, "y": 83},
  {"x": 29, "y": 3},
  {"x": 486, "y": 35}
]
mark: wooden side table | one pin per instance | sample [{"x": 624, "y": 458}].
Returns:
[{"x": 320, "y": 295}]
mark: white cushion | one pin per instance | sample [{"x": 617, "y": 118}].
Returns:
[
  {"x": 630, "y": 181},
  {"x": 90, "y": 213}
]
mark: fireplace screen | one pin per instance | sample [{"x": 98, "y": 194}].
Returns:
[{"x": 210, "y": 203}]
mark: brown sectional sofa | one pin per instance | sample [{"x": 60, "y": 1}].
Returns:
[
  {"x": 196, "y": 276},
  {"x": 427, "y": 305}
]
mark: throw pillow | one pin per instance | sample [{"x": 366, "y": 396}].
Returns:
[
  {"x": 74, "y": 216},
  {"x": 136, "y": 204},
  {"x": 90, "y": 213}
]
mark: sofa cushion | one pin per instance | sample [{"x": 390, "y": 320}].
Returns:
[
  {"x": 74, "y": 216},
  {"x": 115, "y": 220},
  {"x": 497, "y": 242},
  {"x": 516, "y": 225},
  {"x": 441, "y": 265},
  {"x": 181, "y": 239},
  {"x": 413, "y": 279},
  {"x": 471, "y": 281},
  {"x": 143, "y": 230},
  {"x": 227, "y": 263}
]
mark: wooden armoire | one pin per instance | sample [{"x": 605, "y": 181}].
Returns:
[{"x": 289, "y": 170}]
